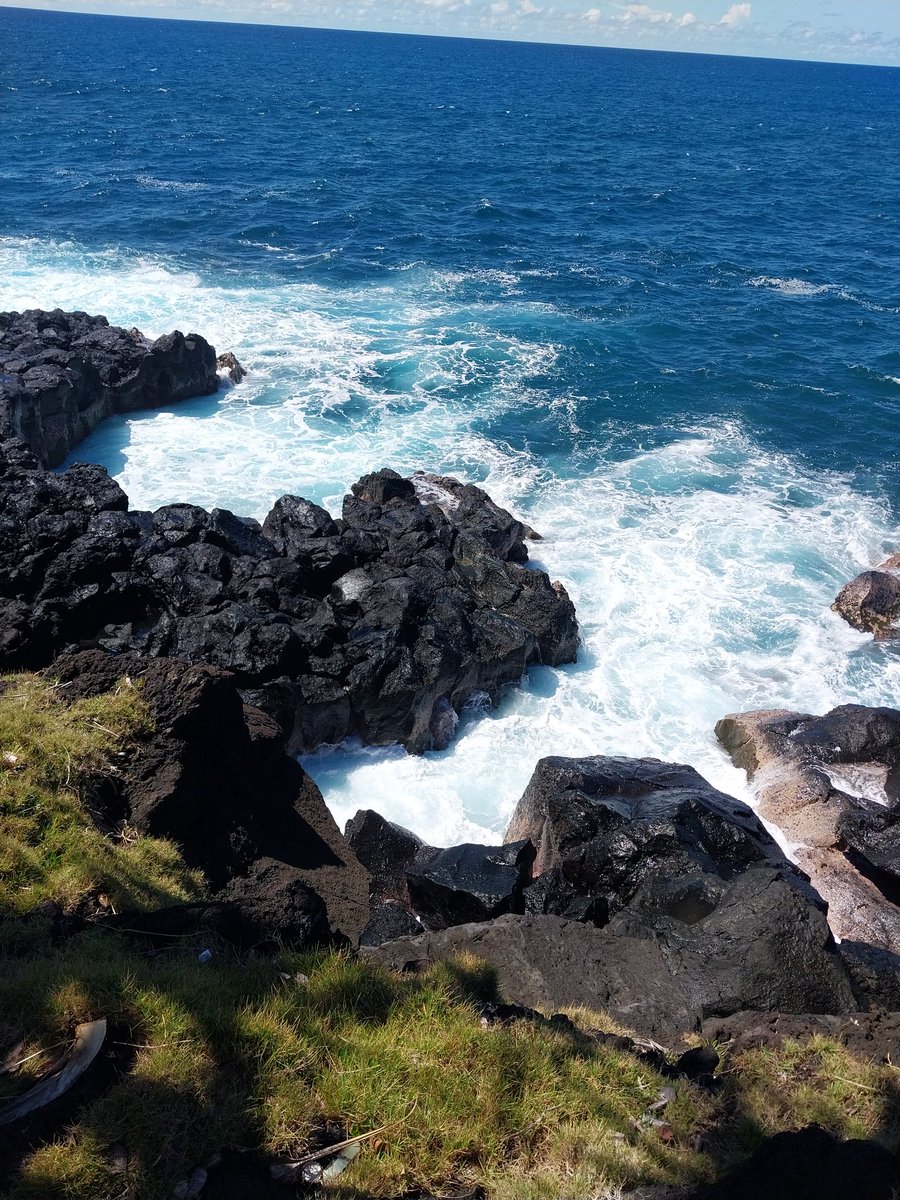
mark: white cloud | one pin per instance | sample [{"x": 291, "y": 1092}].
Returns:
[
  {"x": 644, "y": 14},
  {"x": 738, "y": 14},
  {"x": 592, "y": 15},
  {"x": 528, "y": 9}
]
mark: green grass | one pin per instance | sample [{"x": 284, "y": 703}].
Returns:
[
  {"x": 248, "y": 1052},
  {"x": 53, "y": 759},
  {"x": 231, "y": 1053}
]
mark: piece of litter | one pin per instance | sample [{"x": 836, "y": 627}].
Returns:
[
  {"x": 340, "y": 1162},
  {"x": 666, "y": 1096},
  {"x": 10, "y": 759},
  {"x": 204, "y": 956},
  {"x": 89, "y": 1037},
  {"x": 190, "y": 1188}
]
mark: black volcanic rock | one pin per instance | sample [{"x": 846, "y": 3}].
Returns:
[
  {"x": 763, "y": 948},
  {"x": 211, "y": 774},
  {"x": 381, "y": 624},
  {"x": 386, "y": 850},
  {"x": 685, "y": 908},
  {"x": 469, "y": 882},
  {"x": 613, "y": 832},
  {"x": 388, "y": 921},
  {"x": 62, "y": 373}
]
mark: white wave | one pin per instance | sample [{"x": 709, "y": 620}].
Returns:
[
  {"x": 794, "y": 287},
  {"x": 803, "y": 287},
  {"x": 702, "y": 575},
  {"x": 702, "y": 572},
  {"x": 170, "y": 185}
]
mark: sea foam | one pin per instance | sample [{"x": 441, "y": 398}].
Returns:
[{"x": 702, "y": 568}]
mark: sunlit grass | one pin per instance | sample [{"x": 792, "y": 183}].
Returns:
[{"x": 257, "y": 1053}]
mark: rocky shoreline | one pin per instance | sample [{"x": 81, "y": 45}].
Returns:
[{"x": 628, "y": 885}]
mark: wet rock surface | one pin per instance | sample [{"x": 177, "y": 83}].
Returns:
[
  {"x": 832, "y": 785},
  {"x": 651, "y": 894},
  {"x": 871, "y": 601},
  {"x": 61, "y": 374},
  {"x": 381, "y": 624},
  {"x": 415, "y": 886},
  {"x": 212, "y": 775},
  {"x": 469, "y": 882},
  {"x": 613, "y": 832}
]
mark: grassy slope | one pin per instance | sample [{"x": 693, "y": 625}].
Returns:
[{"x": 245, "y": 1053}]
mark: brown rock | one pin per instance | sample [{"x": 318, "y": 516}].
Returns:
[
  {"x": 871, "y": 602},
  {"x": 801, "y": 767}
]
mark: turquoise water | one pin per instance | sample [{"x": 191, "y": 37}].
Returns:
[{"x": 651, "y": 301}]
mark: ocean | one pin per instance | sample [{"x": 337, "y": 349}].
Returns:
[{"x": 649, "y": 301}]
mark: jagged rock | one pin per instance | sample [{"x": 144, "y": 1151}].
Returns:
[
  {"x": 871, "y": 1035},
  {"x": 872, "y": 839},
  {"x": 701, "y": 913},
  {"x": 764, "y": 948},
  {"x": 389, "y": 920},
  {"x": 380, "y": 625},
  {"x": 468, "y": 505},
  {"x": 831, "y": 785},
  {"x": 212, "y": 775},
  {"x": 228, "y": 363},
  {"x": 62, "y": 373},
  {"x": 612, "y": 832},
  {"x": 871, "y": 602},
  {"x": 552, "y": 893},
  {"x": 386, "y": 851},
  {"x": 468, "y": 882},
  {"x": 874, "y": 975},
  {"x": 808, "y": 1164}
]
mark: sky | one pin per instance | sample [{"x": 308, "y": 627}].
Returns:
[{"x": 860, "y": 31}]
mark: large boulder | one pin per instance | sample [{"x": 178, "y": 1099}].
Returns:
[
  {"x": 469, "y": 883},
  {"x": 211, "y": 774},
  {"x": 685, "y": 906},
  {"x": 382, "y": 624},
  {"x": 61, "y": 374},
  {"x": 832, "y": 785},
  {"x": 871, "y": 601},
  {"x": 386, "y": 850},
  {"x": 763, "y": 948},
  {"x": 618, "y": 831},
  {"x": 416, "y": 886}
]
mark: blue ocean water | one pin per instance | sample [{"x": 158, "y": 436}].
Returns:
[{"x": 650, "y": 300}]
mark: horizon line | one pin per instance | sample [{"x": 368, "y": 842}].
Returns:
[{"x": 458, "y": 37}]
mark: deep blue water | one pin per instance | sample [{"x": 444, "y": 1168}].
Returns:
[{"x": 652, "y": 300}]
